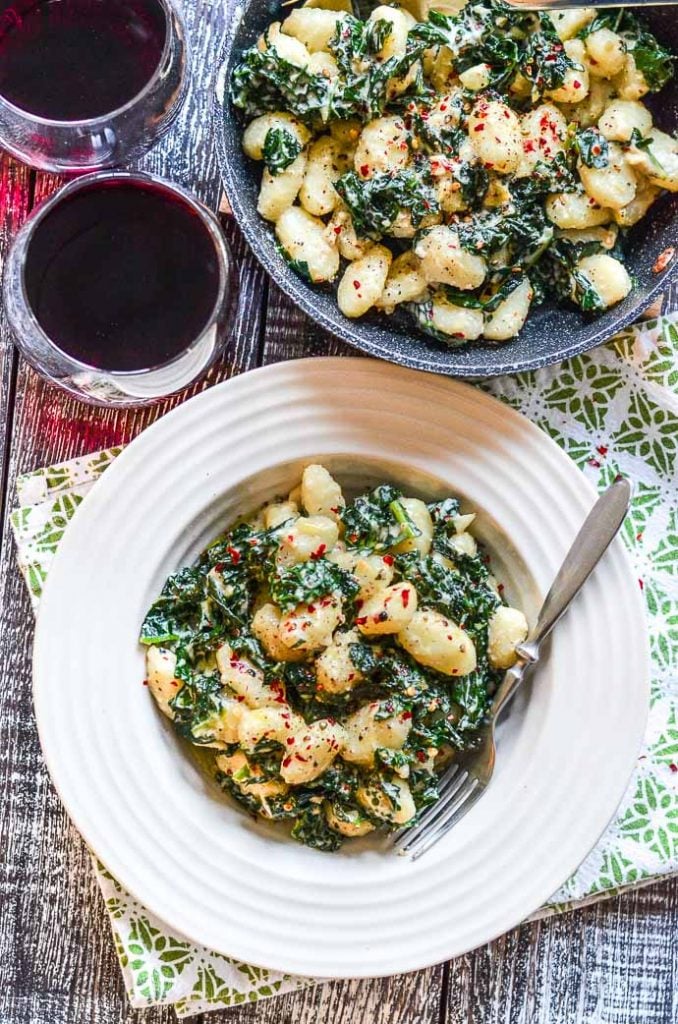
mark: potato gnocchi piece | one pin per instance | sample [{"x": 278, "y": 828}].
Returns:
[
  {"x": 365, "y": 733},
  {"x": 639, "y": 205},
  {"x": 576, "y": 210},
  {"x": 324, "y": 166},
  {"x": 341, "y": 226},
  {"x": 335, "y": 671},
  {"x": 287, "y": 47},
  {"x": 314, "y": 27},
  {"x": 160, "y": 666},
  {"x": 255, "y": 134},
  {"x": 397, "y": 809},
  {"x": 494, "y": 131},
  {"x": 277, "y": 724},
  {"x": 420, "y": 517},
  {"x": 608, "y": 277},
  {"x": 569, "y": 23},
  {"x": 221, "y": 728},
  {"x": 309, "y": 627},
  {"x": 280, "y": 512},
  {"x": 278, "y": 191},
  {"x": 605, "y": 53},
  {"x": 658, "y": 161},
  {"x": 460, "y": 323},
  {"x": 544, "y": 130},
  {"x": 320, "y": 493},
  {"x": 613, "y": 186},
  {"x": 382, "y": 146},
  {"x": 630, "y": 83},
  {"x": 388, "y": 610},
  {"x": 444, "y": 261},
  {"x": 363, "y": 281},
  {"x": 266, "y": 628},
  {"x": 347, "y": 821},
  {"x": 308, "y": 537},
  {"x": 575, "y": 86},
  {"x": 508, "y": 628},
  {"x": 395, "y": 43},
  {"x": 373, "y": 573},
  {"x": 510, "y": 315},
  {"x": 312, "y": 751},
  {"x": 246, "y": 680},
  {"x": 620, "y": 119},
  {"x": 437, "y": 642},
  {"x": 405, "y": 282},
  {"x": 304, "y": 238}
]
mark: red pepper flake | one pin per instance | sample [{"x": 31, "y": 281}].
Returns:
[
  {"x": 361, "y": 621},
  {"x": 406, "y": 715},
  {"x": 356, "y": 285},
  {"x": 673, "y": 767},
  {"x": 576, "y": 84},
  {"x": 405, "y": 597},
  {"x": 145, "y": 682},
  {"x": 501, "y": 588},
  {"x": 235, "y": 555},
  {"x": 365, "y": 170},
  {"x": 319, "y": 551},
  {"x": 641, "y": 584},
  {"x": 639, "y": 536},
  {"x": 311, "y": 608},
  {"x": 479, "y": 128},
  {"x": 299, "y": 757},
  {"x": 337, "y": 230},
  {"x": 421, "y": 756},
  {"x": 443, "y": 106},
  {"x": 287, "y": 761},
  {"x": 663, "y": 260},
  {"x": 594, "y": 463},
  {"x": 602, "y": 450},
  {"x": 388, "y": 559}
]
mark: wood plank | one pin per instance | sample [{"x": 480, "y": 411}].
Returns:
[
  {"x": 614, "y": 962},
  {"x": 59, "y": 963}
]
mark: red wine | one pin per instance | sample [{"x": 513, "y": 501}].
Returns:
[
  {"x": 71, "y": 60},
  {"x": 122, "y": 275}
]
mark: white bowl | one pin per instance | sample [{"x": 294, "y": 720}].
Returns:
[{"x": 183, "y": 848}]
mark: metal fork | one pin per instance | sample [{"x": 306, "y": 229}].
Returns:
[
  {"x": 467, "y": 779},
  {"x": 568, "y": 5}
]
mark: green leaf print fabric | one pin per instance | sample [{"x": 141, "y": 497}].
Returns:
[{"x": 614, "y": 410}]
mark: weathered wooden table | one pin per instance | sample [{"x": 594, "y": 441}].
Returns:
[{"x": 615, "y": 963}]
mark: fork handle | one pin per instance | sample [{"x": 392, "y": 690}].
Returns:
[{"x": 599, "y": 530}]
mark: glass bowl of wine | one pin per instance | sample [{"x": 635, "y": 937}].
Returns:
[
  {"x": 119, "y": 287},
  {"x": 87, "y": 84}
]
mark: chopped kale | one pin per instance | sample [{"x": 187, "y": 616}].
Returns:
[
  {"x": 265, "y": 81},
  {"x": 544, "y": 61},
  {"x": 593, "y": 147},
  {"x": 310, "y": 581},
  {"x": 377, "y": 521},
  {"x": 281, "y": 148},
  {"x": 375, "y": 202}
]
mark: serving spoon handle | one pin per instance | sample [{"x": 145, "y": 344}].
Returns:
[{"x": 567, "y": 5}]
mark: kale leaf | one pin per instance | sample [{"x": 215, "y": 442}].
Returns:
[
  {"x": 266, "y": 81},
  {"x": 654, "y": 61},
  {"x": 377, "y": 521},
  {"x": 544, "y": 61},
  {"x": 375, "y": 202},
  {"x": 593, "y": 147},
  {"x": 281, "y": 148},
  {"x": 309, "y": 581}
]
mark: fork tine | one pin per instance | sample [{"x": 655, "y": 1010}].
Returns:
[
  {"x": 443, "y": 788},
  {"x": 431, "y": 817},
  {"x": 462, "y": 803}
]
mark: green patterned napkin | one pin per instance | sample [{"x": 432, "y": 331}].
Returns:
[{"x": 613, "y": 410}]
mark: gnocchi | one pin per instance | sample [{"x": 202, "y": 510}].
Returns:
[{"x": 405, "y": 166}]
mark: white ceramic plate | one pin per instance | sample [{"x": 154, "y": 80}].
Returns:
[{"x": 565, "y": 752}]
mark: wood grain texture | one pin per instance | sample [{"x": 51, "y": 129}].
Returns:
[{"x": 616, "y": 963}]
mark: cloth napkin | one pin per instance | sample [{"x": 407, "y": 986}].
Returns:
[{"x": 614, "y": 410}]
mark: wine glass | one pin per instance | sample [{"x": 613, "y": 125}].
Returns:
[{"x": 87, "y": 84}]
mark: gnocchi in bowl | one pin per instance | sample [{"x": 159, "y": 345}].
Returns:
[
  {"x": 332, "y": 655},
  {"x": 480, "y": 176}
]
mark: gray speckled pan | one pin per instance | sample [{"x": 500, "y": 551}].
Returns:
[{"x": 550, "y": 335}]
